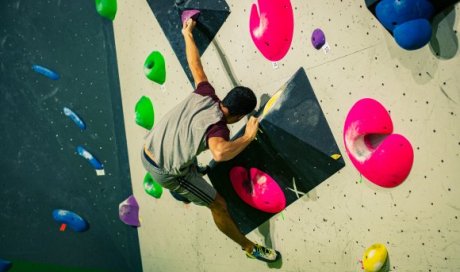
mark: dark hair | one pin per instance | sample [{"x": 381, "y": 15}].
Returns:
[{"x": 240, "y": 101}]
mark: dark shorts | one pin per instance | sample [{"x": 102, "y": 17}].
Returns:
[{"x": 191, "y": 185}]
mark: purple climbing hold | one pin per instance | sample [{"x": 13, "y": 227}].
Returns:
[
  {"x": 129, "y": 212},
  {"x": 318, "y": 39},
  {"x": 191, "y": 13}
]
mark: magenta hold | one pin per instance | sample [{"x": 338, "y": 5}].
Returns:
[
  {"x": 257, "y": 189},
  {"x": 379, "y": 155},
  {"x": 271, "y": 25}
]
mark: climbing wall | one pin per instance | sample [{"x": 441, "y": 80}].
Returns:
[
  {"x": 213, "y": 14},
  {"x": 294, "y": 147},
  {"x": 41, "y": 170},
  {"x": 329, "y": 228},
  {"x": 326, "y": 229}
]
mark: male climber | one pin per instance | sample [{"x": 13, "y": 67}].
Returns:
[{"x": 200, "y": 122}]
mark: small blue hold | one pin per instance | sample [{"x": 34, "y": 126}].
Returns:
[
  {"x": 413, "y": 35},
  {"x": 95, "y": 163},
  {"x": 5, "y": 265},
  {"x": 75, "y": 118},
  {"x": 71, "y": 219},
  {"x": 46, "y": 72}
]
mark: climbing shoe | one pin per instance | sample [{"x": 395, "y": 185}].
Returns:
[{"x": 264, "y": 254}]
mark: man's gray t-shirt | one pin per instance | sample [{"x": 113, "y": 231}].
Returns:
[{"x": 182, "y": 134}]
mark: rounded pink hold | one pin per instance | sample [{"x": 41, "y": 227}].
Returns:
[
  {"x": 272, "y": 27},
  {"x": 258, "y": 190},
  {"x": 191, "y": 13},
  {"x": 382, "y": 157}
]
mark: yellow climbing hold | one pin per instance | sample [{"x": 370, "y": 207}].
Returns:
[
  {"x": 336, "y": 156},
  {"x": 374, "y": 258},
  {"x": 271, "y": 102}
]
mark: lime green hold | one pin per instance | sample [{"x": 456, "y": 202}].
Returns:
[
  {"x": 152, "y": 187},
  {"x": 107, "y": 8},
  {"x": 155, "y": 68},
  {"x": 145, "y": 116}
]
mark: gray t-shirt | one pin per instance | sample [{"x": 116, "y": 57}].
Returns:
[{"x": 182, "y": 134}]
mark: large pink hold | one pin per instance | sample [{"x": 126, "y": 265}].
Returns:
[
  {"x": 382, "y": 157},
  {"x": 272, "y": 27},
  {"x": 259, "y": 190}
]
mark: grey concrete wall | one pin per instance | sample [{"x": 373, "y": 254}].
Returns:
[{"x": 328, "y": 229}]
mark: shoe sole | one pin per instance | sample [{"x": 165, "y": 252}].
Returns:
[{"x": 278, "y": 256}]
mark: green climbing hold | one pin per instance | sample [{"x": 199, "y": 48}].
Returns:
[
  {"x": 107, "y": 8},
  {"x": 152, "y": 187},
  {"x": 145, "y": 116},
  {"x": 155, "y": 68}
]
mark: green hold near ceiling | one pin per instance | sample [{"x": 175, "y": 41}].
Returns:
[
  {"x": 155, "y": 68},
  {"x": 107, "y": 8},
  {"x": 145, "y": 115},
  {"x": 152, "y": 187}
]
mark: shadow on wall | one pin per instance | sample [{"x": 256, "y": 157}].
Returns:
[
  {"x": 226, "y": 64},
  {"x": 443, "y": 44},
  {"x": 311, "y": 195},
  {"x": 266, "y": 231},
  {"x": 444, "y": 41},
  {"x": 423, "y": 67},
  {"x": 263, "y": 100},
  {"x": 386, "y": 267}
]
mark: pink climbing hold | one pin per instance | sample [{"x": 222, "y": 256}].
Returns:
[
  {"x": 379, "y": 155},
  {"x": 258, "y": 190},
  {"x": 272, "y": 27},
  {"x": 191, "y": 13}
]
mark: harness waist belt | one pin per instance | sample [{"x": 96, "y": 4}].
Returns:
[{"x": 147, "y": 157}]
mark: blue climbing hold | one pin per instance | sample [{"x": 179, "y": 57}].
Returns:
[
  {"x": 95, "y": 163},
  {"x": 75, "y": 118},
  {"x": 46, "y": 72},
  {"x": 413, "y": 35},
  {"x": 5, "y": 265},
  {"x": 71, "y": 219},
  {"x": 392, "y": 13}
]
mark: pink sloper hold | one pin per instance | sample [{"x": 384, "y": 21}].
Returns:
[
  {"x": 272, "y": 27},
  {"x": 379, "y": 155},
  {"x": 191, "y": 13},
  {"x": 258, "y": 190}
]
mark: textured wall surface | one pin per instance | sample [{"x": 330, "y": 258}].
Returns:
[
  {"x": 328, "y": 229},
  {"x": 40, "y": 170}
]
